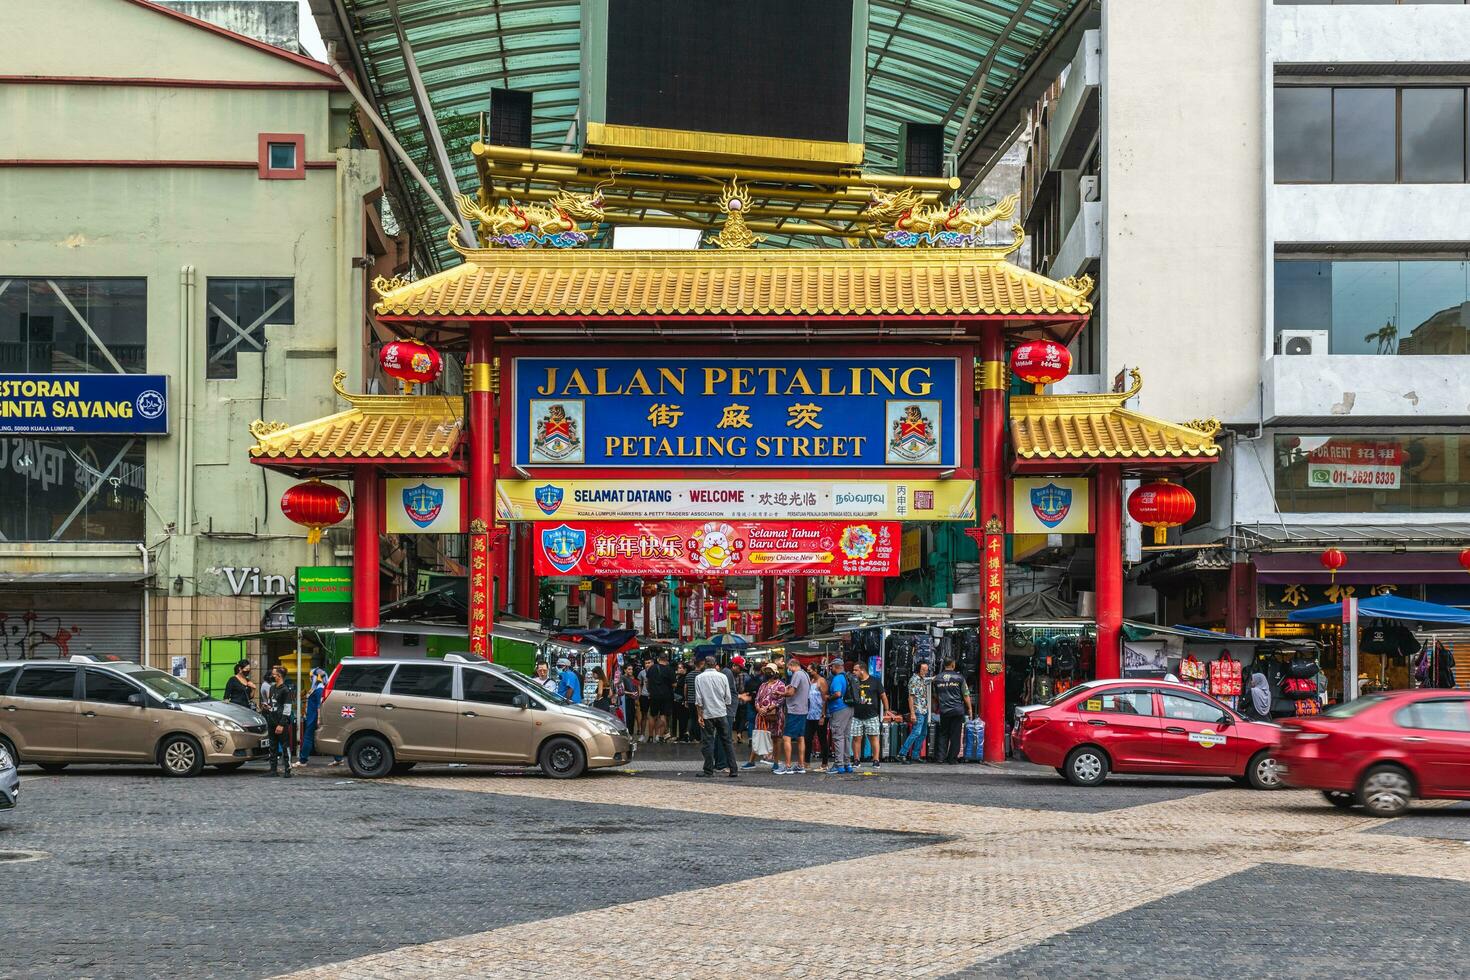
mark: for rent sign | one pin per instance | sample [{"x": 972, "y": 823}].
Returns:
[
  {"x": 718, "y": 548},
  {"x": 1356, "y": 464}
]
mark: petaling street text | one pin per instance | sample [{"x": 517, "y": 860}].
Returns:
[
  {"x": 829, "y": 382},
  {"x": 734, "y": 447}
]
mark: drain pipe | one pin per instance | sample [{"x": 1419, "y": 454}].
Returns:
[{"x": 147, "y": 653}]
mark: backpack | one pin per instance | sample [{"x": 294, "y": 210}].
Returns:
[{"x": 849, "y": 692}]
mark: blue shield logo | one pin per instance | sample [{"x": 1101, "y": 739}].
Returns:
[
  {"x": 1051, "y": 504},
  {"x": 423, "y": 503},
  {"x": 548, "y": 498},
  {"x": 563, "y": 546}
]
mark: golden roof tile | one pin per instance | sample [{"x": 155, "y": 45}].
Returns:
[
  {"x": 375, "y": 427},
  {"x": 1080, "y": 427},
  {"x": 753, "y": 282}
]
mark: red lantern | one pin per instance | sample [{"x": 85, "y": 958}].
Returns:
[
  {"x": 684, "y": 591},
  {"x": 314, "y": 505},
  {"x": 1161, "y": 505},
  {"x": 650, "y": 589},
  {"x": 716, "y": 588},
  {"x": 709, "y": 605},
  {"x": 1041, "y": 362},
  {"x": 1332, "y": 559},
  {"x": 410, "y": 361},
  {"x": 1465, "y": 559},
  {"x": 733, "y": 604}
]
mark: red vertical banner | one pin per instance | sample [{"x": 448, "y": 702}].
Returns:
[
  {"x": 994, "y": 644},
  {"x": 481, "y": 590}
]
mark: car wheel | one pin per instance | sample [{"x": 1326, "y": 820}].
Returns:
[
  {"x": 399, "y": 768},
  {"x": 1061, "y": 772},
  {"x": 1339, "y": 799},
  {"x": 563, "y": 758},
  {"x": 1087, "y": 766},
  {"x": 180, "y": 756},
  {"x": 52, "y": 766},
  {"x": 228, "y": 766},
  {"x": 9, "y": 748},
  {"x": 370, "y": 757},
  {"x": 1264, "y": 772},
  {"x": 1386, "y": 791}
]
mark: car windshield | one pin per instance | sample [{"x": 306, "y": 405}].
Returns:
[
  {"x": 534, "y": 688},
  {"x": 169, "y": 687},
  {"x": 1349, "y": 708}
]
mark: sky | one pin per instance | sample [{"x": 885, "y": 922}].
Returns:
[{"x": 311, "y": 40}]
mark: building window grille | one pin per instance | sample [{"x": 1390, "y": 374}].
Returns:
[
  {"x": 236, "y": 315},
  {"x": 57, "y": 325}
]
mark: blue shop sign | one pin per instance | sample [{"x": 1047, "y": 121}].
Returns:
[
  {"x": 84, "y": 404},
  {"x": 727, "y": 412}
]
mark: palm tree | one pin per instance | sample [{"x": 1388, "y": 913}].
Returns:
[{"x": 1386, "y": 336}]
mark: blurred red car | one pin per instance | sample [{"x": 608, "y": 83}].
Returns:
[
  {"x": 1383, "y": 750},
  {"x": 1145, "y": 726}
]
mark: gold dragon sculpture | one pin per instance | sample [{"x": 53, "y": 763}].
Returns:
[
  {"x": 514, "y": 225},
  {"x": 902, "y": 217}
]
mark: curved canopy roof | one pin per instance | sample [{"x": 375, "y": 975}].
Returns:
[{"x": 956, "y": 62}]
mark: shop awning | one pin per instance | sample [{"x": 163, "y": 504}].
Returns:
[
  {"x": 95, "y": 579},
  {"x": 1386, "y": 607},
  {"x": 1051, "y": 429},
  {"x": 588, "y": 284},
  {"x": 376, "y": 429},
  {"x": 1287, "y": 536},
  {"x": 1304, "y": 567}
]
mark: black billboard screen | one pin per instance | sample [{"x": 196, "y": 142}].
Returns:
[{"x": 753, "y": 67}]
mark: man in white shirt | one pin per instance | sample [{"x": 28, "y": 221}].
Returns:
[
  {"x": 712, "y": 702},
  {"x": 544, "y": 678}
]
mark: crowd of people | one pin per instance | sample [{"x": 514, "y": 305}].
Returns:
[
  {"x": 796, "y": 718},
  {"x": 291, "y": 745}
]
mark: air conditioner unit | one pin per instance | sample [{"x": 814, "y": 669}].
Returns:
[
  {"x": 1088, "y": 187},
  {"x": 1302, "y": 343}
]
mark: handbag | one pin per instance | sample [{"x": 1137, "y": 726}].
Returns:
[
  {"x": 1299, "y": 685},
  {"x": 1301, "y": 667}
]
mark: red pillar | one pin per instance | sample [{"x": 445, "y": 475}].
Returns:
[
  {"x": 1108, "y": 570},
  {"x": 480, "y": 371},
  {"x": 768, "y": 608},
  {"x": 528, "y": 585},
  {"x": 873, "y": 590},
  {"x": 992, "y": 385},
  {"x": 1240, "y": 611},
  {"x": 367, "y": 515},
  {"x": 798, "y": 603}
]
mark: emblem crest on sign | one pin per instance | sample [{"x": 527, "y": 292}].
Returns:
[
  {"x": 422, "y": 503},
  {"x": 563, "y": 546},
  {"x": 556, "y": 432},
  {"x": 549, "y": 498},
  {"x": 1051, "y": 504},
  {"x": 913, "y": 434}
]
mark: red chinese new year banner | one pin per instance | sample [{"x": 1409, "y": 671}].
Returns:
[
  {"x": 718, "y": 548},
  {"x": 994, "y": 644}
]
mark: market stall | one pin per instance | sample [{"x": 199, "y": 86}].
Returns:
[{"x": 1389, "y": 642}]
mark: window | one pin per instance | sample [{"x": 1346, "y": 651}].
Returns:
[
  {"x": 107, "y": 687},
  {"x": 1185, "y": 708},
  {"x": 46, "y": 682},
  {"x": 1419, "y": 306},
  {"x": 237, "y": 312},
  {"x": 72, "y": 488},
  {"x": 1372, "y": 473},
  {"x": 74, "y": 326},
  {"x": 1122, "y": 702},
  {"x": 1367, "y": 134},
  {"x": 281, "y": 156},
  {"x": 424, "y": 681},
  {"x": 7, "y": 674},
  {"x": 485, "y": 687},
  {"x": 363, "y": 678},
  {"x": 1449, "y": 715}
]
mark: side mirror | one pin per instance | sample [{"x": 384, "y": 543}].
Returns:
[
  {"x": 1225, "y": 721},
  {"x": 521, "y": 701},
  {"x": 135, "y": 699}
]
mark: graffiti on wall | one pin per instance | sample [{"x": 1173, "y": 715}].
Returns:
[{"x": 31, "y": 635}]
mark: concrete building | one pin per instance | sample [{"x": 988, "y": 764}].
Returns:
[
  {"x": 183, "y": 238},
  {"x": 1273, "y": 197}
]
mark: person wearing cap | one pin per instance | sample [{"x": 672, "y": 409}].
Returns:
[
  {"x": 568, "y": 684},
  {"x": 736, "y": 673},
  {"x": 839, "y": 717},
  {"x": 770, "y": 700},
  {"x": 313, "y": 709}
]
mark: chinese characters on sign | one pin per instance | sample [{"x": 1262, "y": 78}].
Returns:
[
  {"x": 718, "y": 548},
  {"x": 729, "y": 412},
  {"x": 480, "y": 598},
  {"x": 1368, "y": 465},
  {"x": 994, "y": 642}
]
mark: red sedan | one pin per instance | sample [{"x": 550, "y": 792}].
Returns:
[
  {"x": 1145, "y": 726},
  {"x": 1383, "y": 750}
]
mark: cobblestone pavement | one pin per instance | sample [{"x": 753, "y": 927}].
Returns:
[{"x": 923, "y": 871}]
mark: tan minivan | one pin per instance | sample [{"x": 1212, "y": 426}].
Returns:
[
  {"x": 56, "y": 712},
  {"x": 385, "y": 715}
]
